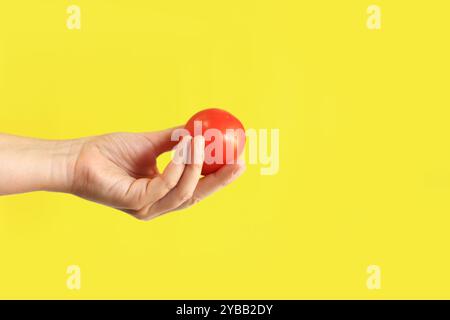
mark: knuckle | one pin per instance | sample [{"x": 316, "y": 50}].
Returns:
[
  {"x": 169, "y": 184},
  {"x": 142, "y": 213},
  {"x": 140, "y": 217},
  {"x": 134, "y": 204},
  {"x": 193, "y": 200},
  {"x": 226, "y": 182},
  {"x": 184, "y": 196}
]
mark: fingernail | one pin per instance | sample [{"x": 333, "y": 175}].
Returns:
[{"x": 199, "y": 149}]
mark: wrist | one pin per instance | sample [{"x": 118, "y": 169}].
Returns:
[
  {"x": 63, "y": 157},
  {"x": 33, "y": 164}
]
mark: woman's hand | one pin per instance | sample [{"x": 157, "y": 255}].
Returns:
[{"x": 118, "y": 170}]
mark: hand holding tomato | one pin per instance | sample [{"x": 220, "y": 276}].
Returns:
[{"x": 119, "y": 169}]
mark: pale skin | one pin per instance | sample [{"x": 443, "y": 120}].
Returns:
[{"x": 118, "y": 170}]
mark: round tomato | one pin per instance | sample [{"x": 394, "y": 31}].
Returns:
[{"x": 224, "y": 137}]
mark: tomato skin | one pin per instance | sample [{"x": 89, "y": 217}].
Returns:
[{"x": 220, "y": 120}]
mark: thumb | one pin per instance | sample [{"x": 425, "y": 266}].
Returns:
[{"x": 165, "y": 140}]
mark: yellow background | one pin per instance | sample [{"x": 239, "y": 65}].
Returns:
[{"x": 364, "y": 134}]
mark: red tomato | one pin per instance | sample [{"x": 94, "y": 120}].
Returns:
[{"x": 224, "y": 137}]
